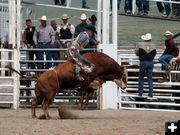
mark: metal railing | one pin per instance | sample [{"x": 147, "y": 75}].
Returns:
[
  {"x": 6, "y": 79},
  {"x": 69, "y": 96},
  {"x": 166, "y": 94}
]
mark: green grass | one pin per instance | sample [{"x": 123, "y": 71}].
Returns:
[{"x": 130, "y": 29}]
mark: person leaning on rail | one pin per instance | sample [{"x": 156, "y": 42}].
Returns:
[{"x": 146, "y": 52}]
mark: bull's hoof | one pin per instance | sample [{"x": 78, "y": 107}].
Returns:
[{"x": 43, "y": 117}]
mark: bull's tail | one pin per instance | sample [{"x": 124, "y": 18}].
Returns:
[{"x": 14, "y": 70}]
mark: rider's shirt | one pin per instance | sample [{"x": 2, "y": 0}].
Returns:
[{"x": 82, "y": 40}]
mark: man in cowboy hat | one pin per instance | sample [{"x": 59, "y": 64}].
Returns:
[
  {"x": 82, "y": 26},
  {"x": 66, "y": 32},
  {"x": 43, "y": 37},
  {"x": 146, "y": 52},
  {"x": 79, "y": 43},
  {"x": 170, "y": 52},
  {"x": 93, "y": 41},
  {"x": 93, "y": 20}
]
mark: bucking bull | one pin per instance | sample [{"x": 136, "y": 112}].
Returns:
[{"x": 63, "y": 77}]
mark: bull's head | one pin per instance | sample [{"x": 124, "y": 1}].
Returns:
[{"x": 121, "y": 77}]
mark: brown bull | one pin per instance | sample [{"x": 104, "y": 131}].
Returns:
[
  {"x": 97, "y": 83},
  {"x": 62, "y": 77}
]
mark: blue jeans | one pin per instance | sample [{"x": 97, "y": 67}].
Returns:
[
  {"x": 166, "y": 8},
  {"x": 146, "y": 67},
  {"x": 128, "y": 6},
  {"x": 84, "y": 3},
  {"x": 143, "y": 6},
  {"x": 40, "y": 56},
  {"x": 55, "y": 56},
  {"x": 164, "y": 60}
]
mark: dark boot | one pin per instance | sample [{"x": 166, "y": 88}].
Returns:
[{"x": 164, "y": 79}]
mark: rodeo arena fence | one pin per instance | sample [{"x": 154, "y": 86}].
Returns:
[{"x": 18, "y": 92}]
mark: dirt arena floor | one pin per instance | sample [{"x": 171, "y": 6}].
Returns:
[{"x": 94, "y": 122}]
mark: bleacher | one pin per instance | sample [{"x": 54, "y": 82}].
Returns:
[{"x": 166, "y": 94}]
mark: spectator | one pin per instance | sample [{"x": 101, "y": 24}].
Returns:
[
  {"x": 170, "y": 52},
  {"x": 118, "y": 4},
  {"x": 93, "y": 20},
  {"x": 66, "y": 32},
  {"x": 28, "y": 41},
  {"x": 56, "y": 2},
  {"x": 164, "y": 8},
  {"x": 175, "y": 10},
  {"x": 143, "y": 7},
  {"x": 44, "y": 36},
  {"x": 82, "y": 26},
  {"x": 80, "y": 42},
  {"x": 84, "y": 4},
  {"x": 63, "y": 2},
  {"x": 146, "y": 52},
  {"x": 178, "y": 10},
  {"x": 128, "y": 7},
  {"x": 55, "y": 54},
  {"x": 93, "y": 40}
]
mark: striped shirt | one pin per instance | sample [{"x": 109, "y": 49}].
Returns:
[{"x": 82, "y": 39}]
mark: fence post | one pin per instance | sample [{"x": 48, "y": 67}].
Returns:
[
  {"x": 16, "y": 45},
  {"x": 99, "y": 8},
  {"x": 108, "y": 95},
  {"x": 105, "y": 27}
]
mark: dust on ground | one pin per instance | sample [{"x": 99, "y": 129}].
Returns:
[{"x": 89, "y": 122}]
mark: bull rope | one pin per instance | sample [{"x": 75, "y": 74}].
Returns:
[
  {"x": 57, "y": 78},
  {"x": 53, "y": 69}
]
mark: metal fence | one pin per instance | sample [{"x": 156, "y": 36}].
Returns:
[
  {"x": 166, "y": 94},
  {"x": 27, "y": 86}
]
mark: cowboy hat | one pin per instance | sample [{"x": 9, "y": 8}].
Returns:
[
  {"x": 83, "y": 16},
  {"x": 92, "y": 17},
  {"x": 92, "y": 28},
  {"x": 64, "y": 17},
  {"x": 146, "y": 37},
  {"x": 43, "y": 18},
  {"x": 168, "y": 33}
]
